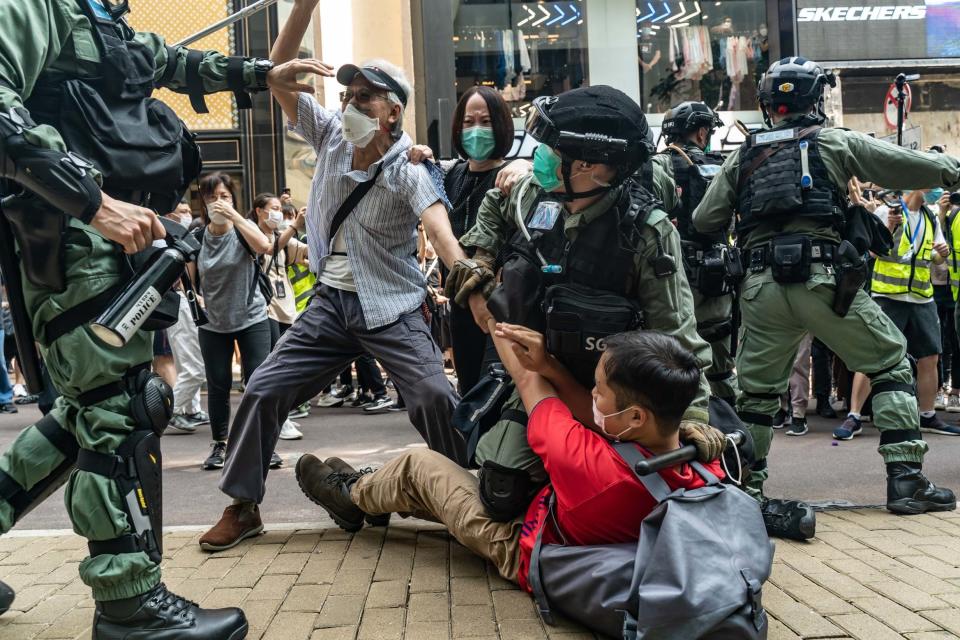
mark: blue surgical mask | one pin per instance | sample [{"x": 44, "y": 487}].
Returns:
[
  {"x": 546, "y": 161},
  {"x": 478, "y": 142},
  {"x": 931, "y": 197}
]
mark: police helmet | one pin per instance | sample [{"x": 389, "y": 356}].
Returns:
[
  {"x": 596, "y": 124},
  {"x": 793, "y": 85},
  {"x": 686, "y": 118}
]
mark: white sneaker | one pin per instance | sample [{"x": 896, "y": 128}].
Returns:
[
  {"x": 941, "y": 402},
  {"x": 19, "y": 390},
  {"x": 329, "y": 401},
  {"x": 289, "y": 431},
  {"x": 953, "y": 404}
]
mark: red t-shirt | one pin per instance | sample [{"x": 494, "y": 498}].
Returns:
[{"x": 599, "y": 499}]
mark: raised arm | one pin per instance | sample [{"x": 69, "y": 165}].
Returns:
[{"x": 284, "y": 55}]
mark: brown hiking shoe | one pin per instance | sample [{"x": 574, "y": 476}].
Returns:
[{"x": 238, "y": 522}]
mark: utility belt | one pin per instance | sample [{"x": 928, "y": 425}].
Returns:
[
  {"x": 714, "y": 270},
  {"x": 791, "y": 256}
]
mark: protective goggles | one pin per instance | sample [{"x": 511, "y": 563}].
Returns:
[{"x": 589, "y": 147}]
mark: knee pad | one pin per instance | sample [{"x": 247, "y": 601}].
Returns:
[
  {"x": 505, "y": 492},
  {"x": 151, "y": 402},
  {"x": 136, "y": 468}
]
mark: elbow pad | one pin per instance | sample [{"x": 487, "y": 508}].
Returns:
[{"x": 63, "y": 180}]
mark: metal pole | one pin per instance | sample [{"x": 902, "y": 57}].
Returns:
[{"x": 246, "y": 12}]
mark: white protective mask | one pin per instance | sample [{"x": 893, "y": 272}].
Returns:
[
  {"x": 600, "y": 420},
  {"x": 218, "y": 218},
  {"x": 186, "y": 220},
  {"x": 274, "y": 218},
  {"x": 359, "y": 128}
]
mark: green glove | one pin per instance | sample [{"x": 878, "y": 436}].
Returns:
[{"x": 709, "y": 442}]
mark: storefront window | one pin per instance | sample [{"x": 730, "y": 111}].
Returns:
[
  {"x": 711, "y": 51},
  {"x": 524, "y": 49}
]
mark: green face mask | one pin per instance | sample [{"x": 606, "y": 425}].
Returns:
[
  {"x": 478, "y": 142},
  {"x": 546, "y": 161}
]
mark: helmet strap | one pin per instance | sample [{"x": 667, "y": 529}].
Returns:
[{"x": 570, "y": 195}]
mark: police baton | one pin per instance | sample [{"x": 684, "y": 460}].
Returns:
[
  {"x": 687, "y": 453},
  {"x": 244, "y": 13}
]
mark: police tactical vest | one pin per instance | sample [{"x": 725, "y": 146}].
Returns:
[
  {"x": 583, "y": 294},
  {"x": 775, "y": 188},
  {"x": 906, "y": 270},
  {"x": 144, "y": 152},
  {"x": 692, "y": 182}
]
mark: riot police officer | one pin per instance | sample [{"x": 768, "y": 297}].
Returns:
[
  {"x": 787, "y": 185},
  {"x": 681, "y": 175},
  {"x": 588, "y": 253},
  {"x": 87, "y": 154}
]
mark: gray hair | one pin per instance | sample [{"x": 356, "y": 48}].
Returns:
[{"x": 400, "y": 76}]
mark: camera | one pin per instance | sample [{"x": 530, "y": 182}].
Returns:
[{"x": 955, "y": 198}]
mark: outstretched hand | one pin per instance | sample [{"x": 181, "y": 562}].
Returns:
[
  {"x": 283, "y": 77},
  {"x": 528, "y": 345}
]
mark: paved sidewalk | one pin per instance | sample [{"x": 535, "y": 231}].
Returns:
[{"x": 868, "y": 575}]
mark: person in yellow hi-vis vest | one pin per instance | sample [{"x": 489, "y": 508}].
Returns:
[
  {"x": 902, "y": 287},
  {"x": 302, "y": 280}
]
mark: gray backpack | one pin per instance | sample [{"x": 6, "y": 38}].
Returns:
[{"x": 696, "y": 571}]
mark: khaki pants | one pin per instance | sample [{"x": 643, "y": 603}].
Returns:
[{"x": 427, "y": 485}]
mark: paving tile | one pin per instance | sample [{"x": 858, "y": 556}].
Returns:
[
  {"x": 910, "y": 597},
  {"x": 893, "y": 615},
  {"x": 389, "y": 593},
  {"x": 274, "y": 587},
  {"x": 426, "y": 631},
  {"x": 800, "y": 618},
  {"x": 472, "y": 620},
  {"x": 513, "y": 605},
  {"x": 428, "y": 607},
  {"x": 947, "y": 619},
  {"x": 474, "y": 590},
  {"x": 335, "y": 633},
  {"x": 382, "y": 624},
  {"x": 521, "y": 630},
  {"x": 290, "y": 625},
  {"x": 306, "y": 597},
  {"x": 340, "y": 611},
  {"x": 864, "y": 627}
]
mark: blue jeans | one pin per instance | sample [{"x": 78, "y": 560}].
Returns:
[{"x": 6, "y": 389}]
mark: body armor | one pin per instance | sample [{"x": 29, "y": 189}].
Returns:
[
  {"x": 583, "y": 293},
  {"x": 783, "y": 177}
]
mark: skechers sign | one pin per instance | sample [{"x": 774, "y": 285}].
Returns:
[
  {"x": 836, "y": 14},
  {"x": 878, "y": 31}
]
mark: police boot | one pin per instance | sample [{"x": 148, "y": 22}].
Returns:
[
  {"x": 161, "y": 615},
  {"x": 6, "y": 597},
  {"x": 789, "y": 519},
  {"x": 909, "y": 492}
]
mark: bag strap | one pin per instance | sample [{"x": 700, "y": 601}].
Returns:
[
  {"x": 254, "y": 258},
  {"x": 534, "y": 578},
  {"x": 352, "y": 201},
  {"x": 708, "y": 477},
  {"x": 654, "y": 484},
  {"x": 195, "y": 89}
]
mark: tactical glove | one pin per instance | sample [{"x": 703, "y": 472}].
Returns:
[
  {"x": 709, "y": 442},
  {"x": 468, "y": 276}
]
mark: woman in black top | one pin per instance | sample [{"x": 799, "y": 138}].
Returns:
[{"x": 482, "y": 136}]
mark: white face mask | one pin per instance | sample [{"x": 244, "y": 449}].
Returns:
[
  {"x": 358, "y": 128},
  {"x": 600, "y": 420},
  {"x": 186, "y": 219},
  {"x": 274, "y": 218},
  {"x": 218, "y": 218},
  {"x": 763, "y": 31}
]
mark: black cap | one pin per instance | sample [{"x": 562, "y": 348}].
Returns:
[{"x": 375, "y": 76}]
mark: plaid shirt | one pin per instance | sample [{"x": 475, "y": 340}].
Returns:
[{"x": 381, "y": 232}]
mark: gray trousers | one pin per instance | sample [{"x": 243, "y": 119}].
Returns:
[{"x": 324, "y": 340}]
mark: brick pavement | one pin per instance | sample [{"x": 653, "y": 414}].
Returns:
[{"x": 867, "y": 575}]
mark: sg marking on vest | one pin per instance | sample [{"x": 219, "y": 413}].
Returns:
[
  {"x": 596, "y": 344},
  {"x": 545, "y": 216}
]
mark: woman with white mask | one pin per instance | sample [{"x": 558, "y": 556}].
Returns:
[{"x": 226, "y": 277}]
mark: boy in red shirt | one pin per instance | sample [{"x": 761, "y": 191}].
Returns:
[{"x": 644, "y": 382}]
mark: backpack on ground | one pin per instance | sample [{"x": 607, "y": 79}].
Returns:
[{"x": 696, "y": 571}]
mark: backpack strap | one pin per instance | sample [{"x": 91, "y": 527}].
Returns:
[
  {"x": 654, "y": 484},
  {"x": 708, "y": 477},
  {"x": 534, "y": 579}
]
